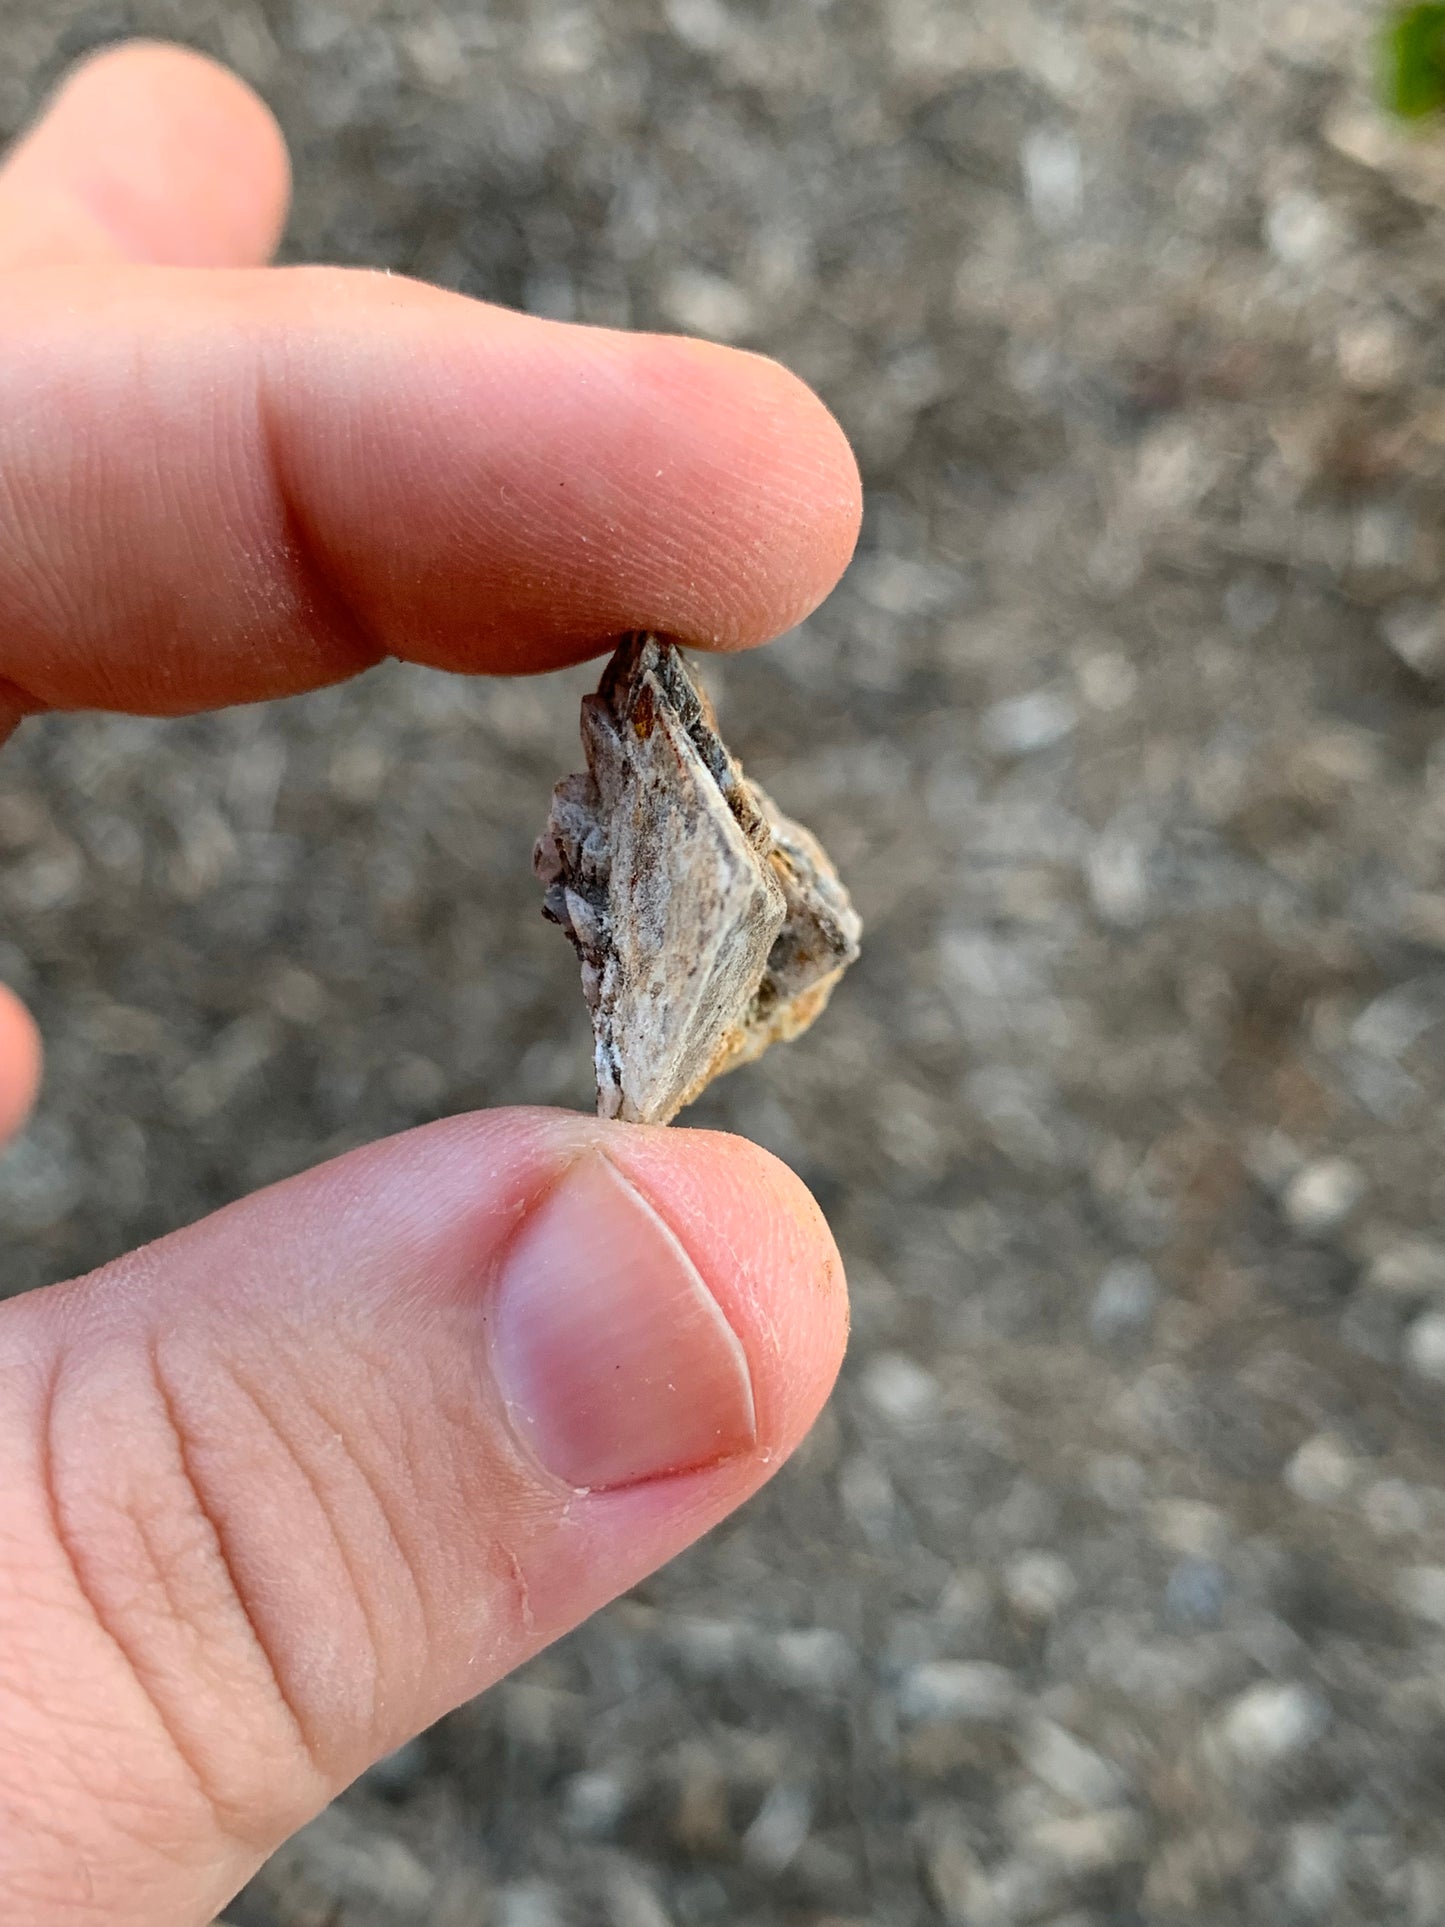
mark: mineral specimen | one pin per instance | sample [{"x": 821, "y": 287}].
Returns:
[{"x": 709, "y": 926}]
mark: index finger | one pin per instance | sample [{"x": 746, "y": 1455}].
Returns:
[{"x": 221, "y": 486}]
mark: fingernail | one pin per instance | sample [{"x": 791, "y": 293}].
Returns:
[{"x": 613, "y": 1358}]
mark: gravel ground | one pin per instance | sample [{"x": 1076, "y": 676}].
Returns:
[{"x": 1111, "y": 1589}]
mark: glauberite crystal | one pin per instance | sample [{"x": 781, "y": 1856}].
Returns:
[{"x": 709, "y": 925}]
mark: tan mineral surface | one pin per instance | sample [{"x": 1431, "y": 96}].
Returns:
[{"x": 708, "y": 924}]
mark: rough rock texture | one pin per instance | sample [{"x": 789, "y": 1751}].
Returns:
[
  {"x": 1111, "y": 1590},
  {"x": 709, "y": 926}
]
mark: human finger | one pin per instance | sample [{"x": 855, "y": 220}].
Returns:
[
  {"x": 286, "y": 1486},
  {"x": 19, "y": 1063},
  {"x": 147, "y": 153},
  {"x": 225, "y": 486}
]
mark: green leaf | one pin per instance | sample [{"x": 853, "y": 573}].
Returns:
[{"x": 1412, "y": 77}]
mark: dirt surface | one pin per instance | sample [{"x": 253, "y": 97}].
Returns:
[{"x": 1111, "y": 1589}]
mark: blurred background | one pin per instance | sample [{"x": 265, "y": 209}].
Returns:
[{"x": 1111, "y": 1589}]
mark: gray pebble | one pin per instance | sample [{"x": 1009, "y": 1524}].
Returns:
[
  {"x": 1124, "y": 1302},
  {"x": 1322, "y": 1195},
  {"x": 1273, "y": 1721},
  {"x": 967, "y": 1690},
  {"x": 1195, "y": 1592}
]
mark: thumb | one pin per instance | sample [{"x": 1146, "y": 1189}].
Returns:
[{"x": 283, "y": 1488}]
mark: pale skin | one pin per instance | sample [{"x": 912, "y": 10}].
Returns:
[{"x": 269, "y": 1504}]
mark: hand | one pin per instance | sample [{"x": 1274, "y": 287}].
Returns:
[{"x": 280, "y": 1490}]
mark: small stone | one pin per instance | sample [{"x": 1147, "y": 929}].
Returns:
[
  {"x": 899, "y": 1389},
  {"x": 1323, "y": 1194},
  {"x": 704, "y": 25},
  {"x": 1301, "y": 230},
  {"x": 1124, "y": 1302},
  {"x": 1394, "y": 1508},
  {"x": 297, "y": 995},
  {"x": 966, "y": 1601},
  {"x": 1038, "y": 1584},
  {"x": 594, "y": 1802},
  {"x": 1069, "y": 1768},
  {"x": 1273, "y": 1158},
  {"x": 1397, "y": 1019},
  {"x": 1250, "y": 604},
  {"x": 40, "y": 1179},
  {"x": 900, "y": 585},
  {"x": 1371, "y": 353},
  {"x": 1314, "y": 1864},
  {"x": 631, "y": 1901},
  {"x": 1425, "y": 1346},
  {"x": 530, "y": 1903},
  {"x": 868, "y": 1498},
  {"x": 1107, "y": 680},
  {"x": 1421, "y": 1591},
  {"x": 952, "y": 1867},
  {"x": 702, "y": 1818},
  {"x": 434, "y": 48},
  {"x": 1021, "y": 1888},
  {"x": 1172, "y": 469},
  {"x": 1383, "y": 536},
  {"x": 1412, "y": 1268},
  {"x": 566, "y": 43},
  {"x": 1322, "y": 1471},
  {"x": 708, "y": 304},
  {"x": 711, "y": 1648},
  {"x": 1027, "y": 1511},
  {"x": 815, "y": 1659},
  {"x": 357, "y": 770},
  {"x": 1053, "y": 171},
  {"x": 1117, "y": 1481},
  {"x": 1090, "y": 1842},
  {"x": 1273, "y": 1721},
  {"x": 1021, "y": 725},
  {"x": 1425, "y": 1884},
  {"x": 1117, "y": 869},
  {"x": 1416, "y": 633},
  {"x": 966, "y": 1691},
  {"x": 1195, "y": 1592},
  {"x": 779, "y": 1829},
  {"x": 417, "y": 1082}
]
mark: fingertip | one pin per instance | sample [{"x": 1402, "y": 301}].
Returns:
[
  {"x": 785, "y": 500},
  {"x": 762, "y": 1245},
  {"x": 218, "y": 190},
  {"x": 20, "y": 1063},
  {"x": 164, "y": 157},
  {"x": 555, "y": 486}
]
